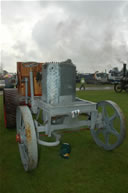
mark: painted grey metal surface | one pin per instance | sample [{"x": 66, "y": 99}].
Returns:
[
  {"x": 33, "y": 104},
  {"x": 67, "y": 114},
  {"x": 26, "y": 90},
  {"x": 58, "y": 83},
  {"x": 28, "y": 141},
  {"x": 109, "y": 130}
]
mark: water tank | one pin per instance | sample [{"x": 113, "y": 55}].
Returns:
[{"x": 59, "y": 82}]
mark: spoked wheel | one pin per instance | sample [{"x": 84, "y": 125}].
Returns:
[
  {"x": 110, "y": 127},
  {"x": 118, "y": 88},
  {"x": 26, "y": 138}
]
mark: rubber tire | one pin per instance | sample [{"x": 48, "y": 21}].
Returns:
[
  {"x": 10, "y": 102},
  {"x": 115, "y": 88}
]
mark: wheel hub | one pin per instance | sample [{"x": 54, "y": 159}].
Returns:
[{"x": 18, "y": 138}]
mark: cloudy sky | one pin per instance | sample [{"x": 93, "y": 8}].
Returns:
[{"x": 93, "y": 34}]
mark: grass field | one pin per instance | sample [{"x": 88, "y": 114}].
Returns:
[
  {"x": 89, "y": 169},
  {"x": 95, "y": 85}
]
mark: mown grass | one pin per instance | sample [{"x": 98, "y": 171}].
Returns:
[
  {"x": 89, "y": 169},
  {"x": 94, "y": 85}
]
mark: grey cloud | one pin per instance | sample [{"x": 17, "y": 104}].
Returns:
[
  {"x": 86, "y": 32},
  {"x": 97, "y": 10},
  {"x": 20, "y": 46},
  {"x": 24, "y": 52},
  {"x": 6, "y": 58},
  {"x": 14, "y": 12}
]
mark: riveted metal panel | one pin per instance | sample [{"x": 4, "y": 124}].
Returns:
[
  {"x": 68, "y": 79},
  {"x": 58, "y": 83}
]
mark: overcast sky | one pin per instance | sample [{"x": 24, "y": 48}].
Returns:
[{"x": 94, "y": 35}]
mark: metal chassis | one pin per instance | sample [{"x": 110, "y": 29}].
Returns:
[{"x": 69, "y": 112}]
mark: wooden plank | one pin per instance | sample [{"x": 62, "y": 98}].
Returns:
[{"x": 22, "y": 73}]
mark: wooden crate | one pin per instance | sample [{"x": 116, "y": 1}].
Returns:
[{"x": 23, "y": 72}]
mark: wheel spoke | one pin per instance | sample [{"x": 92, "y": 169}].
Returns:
[
  {"x": 24, "y": 154},
  {"x": 104, "y": 112},
  {"x": 114, "y": 132},
  {"x": 25, "y": 140},
  {"x": 22, "y": 124},
  {"x": 22, "y": 129},
  {"x": 113, "y": 117},
  {"x": 21, "y": 121}
]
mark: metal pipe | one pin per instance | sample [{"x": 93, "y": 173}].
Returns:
[
  {"x": 124, "y": 70},
  {"x": 50, "y": 144},
  {"x": 26, "y": 90},
  {"x": 31, "y": 86}
]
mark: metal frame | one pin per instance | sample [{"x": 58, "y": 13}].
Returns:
[
  {"x": 58, "y": 117},
  {"x": 69, "y": 113}
]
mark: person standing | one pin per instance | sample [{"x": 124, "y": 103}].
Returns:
[{"x": 82, "y": 81}]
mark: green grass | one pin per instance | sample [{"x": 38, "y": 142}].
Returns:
[
  {"x": 89, "y": 169},
  {"x": 94, "y": 85}
]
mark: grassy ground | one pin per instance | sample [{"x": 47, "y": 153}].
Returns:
[
  {"x": 88, "y": 170},
  {"x": 94, "y": 85}
]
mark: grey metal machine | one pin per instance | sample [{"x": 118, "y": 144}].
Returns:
[{"x": 58, "y": 109}]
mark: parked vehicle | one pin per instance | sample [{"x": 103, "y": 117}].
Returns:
[
  {"x": 10, "y": 81},
  {"x": 2, "y": 84},
  {"x": 114, "y": 76},
  {"x": 123, "y": 84},
  {"x": 101, "y": 77}
]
